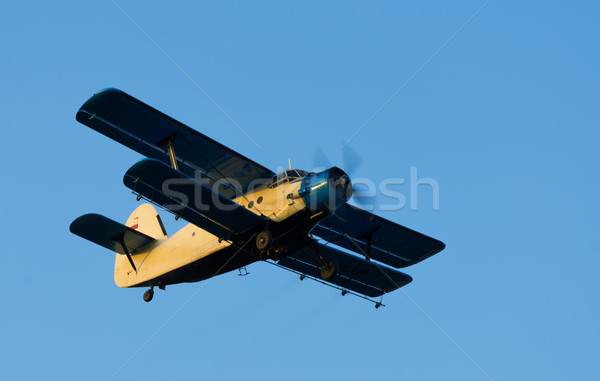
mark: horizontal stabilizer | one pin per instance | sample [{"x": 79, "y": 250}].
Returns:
[
  {"x": 354, "y": 273},
  {"x": 190, "y": 199},
  {"x": 374, "y": 237},
  {"x": 109, "y": 234}
]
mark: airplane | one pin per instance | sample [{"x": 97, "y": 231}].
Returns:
[{"x": 239, "y": 212}]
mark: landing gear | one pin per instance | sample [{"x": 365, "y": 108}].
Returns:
[
  {"x": 329, "y": 270},
  {"x": 264, "y": 240},
  {"x": 148, "y": 295}
]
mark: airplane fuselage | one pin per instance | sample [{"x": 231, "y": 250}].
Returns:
[{"x": 193, "y": 254}]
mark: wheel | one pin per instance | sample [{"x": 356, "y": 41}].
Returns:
[
  {"x": 148, "y": 295},
  {"x": 329, "y": 271},
  {"x": 264, "y": 240}
]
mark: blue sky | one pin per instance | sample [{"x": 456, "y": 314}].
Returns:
[{"x": 505, "y": 119}]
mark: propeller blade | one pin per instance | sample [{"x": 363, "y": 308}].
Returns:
[
  {"x": 352, "y": 160},
  {"x": 359, "y": 194},
  {"x": 320, "y": 160}
]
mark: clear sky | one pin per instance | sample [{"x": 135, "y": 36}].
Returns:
[{"x": 504, "y": 118}]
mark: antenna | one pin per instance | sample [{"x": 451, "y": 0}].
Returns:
[{"x": 290, "y": 162}]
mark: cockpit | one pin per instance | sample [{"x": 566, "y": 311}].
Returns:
[{"x": 289, "y": 176}]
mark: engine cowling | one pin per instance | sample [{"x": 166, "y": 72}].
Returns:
[{"x": 326, "y": 190}]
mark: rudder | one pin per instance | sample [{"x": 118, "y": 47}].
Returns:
[{"x": 146, "y": 220}]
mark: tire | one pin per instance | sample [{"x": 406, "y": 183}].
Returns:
[
  {"x": 148, "y": 295},
  {"x": 329, "y": 271},
  {"x": 264, "y": 240}
]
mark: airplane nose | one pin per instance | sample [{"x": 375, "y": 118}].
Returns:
[
  {"x": 341, "y": 184},
  {"x": 326, "y": 190}
]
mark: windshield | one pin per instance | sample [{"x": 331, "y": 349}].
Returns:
[{"x": 287, "y": 176}]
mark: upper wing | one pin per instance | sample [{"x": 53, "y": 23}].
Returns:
[
  {"x": 375, "y": 237},
  {"x": 146, "y": 130},
  {"x": 354, "y": 273}
]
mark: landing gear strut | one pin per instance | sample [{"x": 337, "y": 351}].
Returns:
[
  {"x": 149, "y": 294},
  {"x": 330, "y": 268}
]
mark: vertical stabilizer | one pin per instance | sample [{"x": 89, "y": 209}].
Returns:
[
  {"x": 143, "y": 220},
  {"x": 146, "y": 220}
]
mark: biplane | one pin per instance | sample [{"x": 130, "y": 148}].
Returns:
[{"x": 239, "y": 212}]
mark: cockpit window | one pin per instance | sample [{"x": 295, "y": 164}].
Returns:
[{"x": 287, "y": 176}]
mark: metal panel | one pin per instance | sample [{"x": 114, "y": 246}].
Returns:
[
  {"x": 148, "y": 131},
  {"x": 189, "y": 199},
  {"x": 356, "y": 274},
  {"x": 352, "y": 228}
]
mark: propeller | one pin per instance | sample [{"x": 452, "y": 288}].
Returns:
[
  {"x": 351, "y": 159},
  {"x": 351, "y": 162},
  {"x": 320, "y": 160}
]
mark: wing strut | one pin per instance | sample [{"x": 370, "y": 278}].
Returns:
[
  {"x": 316, "y": 250},
  {"x": 369, "y": 236},
  {"x": 172, "y": 154}
]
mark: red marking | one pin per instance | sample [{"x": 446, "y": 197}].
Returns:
[{"x": 135, "y": 226}]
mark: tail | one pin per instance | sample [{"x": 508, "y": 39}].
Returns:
[
  {"x": 133, "y": 242},
  {"x": 146, "y": 220},
  {"x": 143, "y": 227}
]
